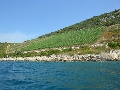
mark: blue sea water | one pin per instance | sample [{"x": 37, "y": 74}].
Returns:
[{"x": 59, "y": 75}]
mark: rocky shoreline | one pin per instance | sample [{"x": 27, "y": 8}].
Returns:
[{"x": 113, "y": 55}]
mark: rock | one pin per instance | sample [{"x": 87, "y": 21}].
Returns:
[{"x": 113, "y": 55}]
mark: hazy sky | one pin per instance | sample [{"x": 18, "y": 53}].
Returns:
[{"x": 22, "y": 20}]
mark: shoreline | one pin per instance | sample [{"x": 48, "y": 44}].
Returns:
[
  {"x": 113, "y": 55},
  {"x": 62, "y": 58}
]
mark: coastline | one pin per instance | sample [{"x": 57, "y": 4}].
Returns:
[{"x": 113, "y": 55}]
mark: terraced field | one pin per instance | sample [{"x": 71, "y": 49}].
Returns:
[{"x": 86, "y": 36}]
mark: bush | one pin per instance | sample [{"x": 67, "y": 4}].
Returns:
[{"x": 114, "y": 45}]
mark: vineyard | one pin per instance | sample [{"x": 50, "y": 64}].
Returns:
[{"x": 80, "y": 37}]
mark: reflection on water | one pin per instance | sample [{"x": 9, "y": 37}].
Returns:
[{"x": 59, "y": 75}]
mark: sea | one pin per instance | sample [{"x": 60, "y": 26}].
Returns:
[{"x": 25, "y": 75}]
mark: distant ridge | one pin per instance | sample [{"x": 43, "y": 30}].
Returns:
[{"x": 106, "y": 19}]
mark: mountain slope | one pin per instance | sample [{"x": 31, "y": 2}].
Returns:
[{"x": 90, "y": 31}]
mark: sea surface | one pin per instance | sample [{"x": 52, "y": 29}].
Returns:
[{"x": 59, "y": 75}]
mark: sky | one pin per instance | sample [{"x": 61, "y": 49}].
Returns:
[{"x": 22, "y": 20}]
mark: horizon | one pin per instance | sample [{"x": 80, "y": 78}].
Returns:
[{"x": 28, "y": 19}]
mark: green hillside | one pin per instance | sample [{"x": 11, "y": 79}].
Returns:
[
  {"x": 88, "y": 32},
  {"x": 4, "y": 48},
  {"x": 80, "y": 37},
  {"x": 85, "y": 32}
]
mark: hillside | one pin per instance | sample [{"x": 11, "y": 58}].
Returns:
[
  {"x": 111, "y": 34},
  {"x": 4, "y": 48},
  {"x": 81, "y": 37},
  {"x": 103, "y": 29}
]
